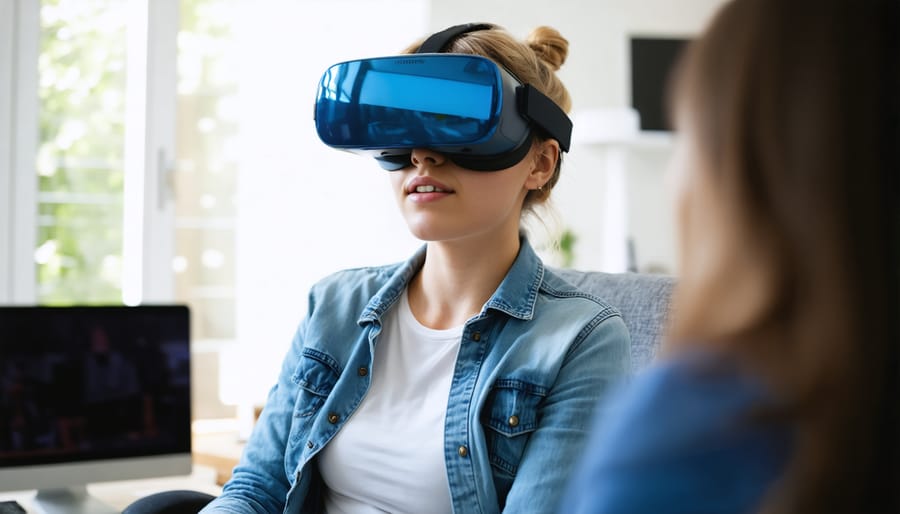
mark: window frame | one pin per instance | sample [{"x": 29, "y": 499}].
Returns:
[{"x": 19, "y": 32}]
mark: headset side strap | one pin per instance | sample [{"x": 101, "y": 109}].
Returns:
[{"x": 543, "y": 112}]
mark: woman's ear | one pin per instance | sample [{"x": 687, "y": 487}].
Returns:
[{"x": 545, "y": 155}]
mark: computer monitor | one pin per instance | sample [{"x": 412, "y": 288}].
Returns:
[{"x": 92, "y": 394}]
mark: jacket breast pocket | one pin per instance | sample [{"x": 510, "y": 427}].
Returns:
[
  {"x": 509, "y": 417},
  {"x": 315, "y": 377}
]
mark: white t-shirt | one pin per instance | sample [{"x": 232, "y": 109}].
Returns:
[{"x": 389, "y": 456}]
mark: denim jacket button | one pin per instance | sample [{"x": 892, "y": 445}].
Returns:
[
  {"x": 362, "y": 371},
  {"x": 513, "y": 421},
  {"x": 309, "y": 444},
  {"x": 463, "y": 451},
  {"x": 333, "y": 418},
  {"x": 476, "y": 336}
]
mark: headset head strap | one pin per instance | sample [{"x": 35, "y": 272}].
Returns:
[{"x": 439, "y": 41}]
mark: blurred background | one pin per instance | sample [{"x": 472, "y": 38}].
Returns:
[{"x": 160, "y": 151}]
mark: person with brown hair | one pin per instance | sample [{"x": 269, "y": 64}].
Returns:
[
  {"x": 777, "y": 389},
  {"x": 461, "y": 380}
]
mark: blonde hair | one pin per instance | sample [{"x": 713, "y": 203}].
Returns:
[{"x": 533, "y": 61}]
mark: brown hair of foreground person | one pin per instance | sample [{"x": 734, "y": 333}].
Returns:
[{"x": 789, "y": 226}]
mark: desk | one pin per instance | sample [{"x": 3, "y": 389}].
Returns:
[
  {"x": 122, "y": 493},
  {"x": 216, "y": 444},
  {"x": 216, "y": 449}
]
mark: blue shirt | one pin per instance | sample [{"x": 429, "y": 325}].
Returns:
[
  {"x": 683, "y": 438},
  {"x": 530, "y": 370}
]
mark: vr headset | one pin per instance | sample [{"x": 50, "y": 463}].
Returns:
[{"x": 464, "y": 106}]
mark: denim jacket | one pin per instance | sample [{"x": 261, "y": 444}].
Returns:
[{"x": 530, "y": 370}]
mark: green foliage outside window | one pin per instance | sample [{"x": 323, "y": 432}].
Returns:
[{"x": 79, "y": 162}]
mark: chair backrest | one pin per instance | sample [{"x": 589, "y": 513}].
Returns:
[{"x": 643, "y": 300}]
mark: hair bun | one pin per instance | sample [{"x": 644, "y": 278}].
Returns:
[{"x": 549, "y": 45}]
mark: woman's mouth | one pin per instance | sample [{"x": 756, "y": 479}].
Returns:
[
  {"x": 426, "y": 189},
  {"x": 429, "y": 189}
]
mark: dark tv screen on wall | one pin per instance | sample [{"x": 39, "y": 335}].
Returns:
[{"x": 652, "y": 61}]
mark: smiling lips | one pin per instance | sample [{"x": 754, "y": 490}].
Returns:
[{"x": 425, "y": 189}]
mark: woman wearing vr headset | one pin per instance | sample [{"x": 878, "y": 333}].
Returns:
[
  {"x": 463, "y": 379},
  {"x": 779, "y": 390}
]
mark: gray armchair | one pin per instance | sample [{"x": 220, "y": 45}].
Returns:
[{"x": 643, "y": 300}]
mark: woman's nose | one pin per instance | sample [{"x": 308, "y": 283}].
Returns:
[{"x": 422, "y": 156}]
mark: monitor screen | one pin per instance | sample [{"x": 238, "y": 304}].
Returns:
[{"x": 90, "y": 394}]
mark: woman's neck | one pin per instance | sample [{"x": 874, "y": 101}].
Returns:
[{"x": 457, "y": 278}]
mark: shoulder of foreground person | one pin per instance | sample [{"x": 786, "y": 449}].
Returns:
[{"x": 679, "y": 439}]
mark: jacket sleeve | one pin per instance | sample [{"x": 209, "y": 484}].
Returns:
[
  {"x": 592, "y": 365},
  {"x": 258, "y": 483}
]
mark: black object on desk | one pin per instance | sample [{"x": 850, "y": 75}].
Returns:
[{"x": 11, "y": 507}]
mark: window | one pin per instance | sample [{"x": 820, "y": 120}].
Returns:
[
  {"x": 206, "y": 167},
  {"x": 80, "y": 158}
]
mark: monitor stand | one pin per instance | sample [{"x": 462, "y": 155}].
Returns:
[{"x": 72, "y": 500}]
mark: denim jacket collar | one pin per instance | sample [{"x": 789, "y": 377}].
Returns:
[
  {"x": 515, "y": 296},
  {"x": 518, "y": 291},
  {"x": 388, "y": 294}
]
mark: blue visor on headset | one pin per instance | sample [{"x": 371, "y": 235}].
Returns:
[{"x": 463, "y": 106}]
